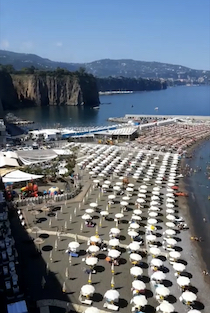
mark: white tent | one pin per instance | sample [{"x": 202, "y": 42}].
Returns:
[
  {"x": 4, "y": 161},
  {"x": 11, "y": 154},
  {"x": 17, "y": 176}
]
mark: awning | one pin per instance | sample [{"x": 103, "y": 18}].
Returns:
[
  {"x": 4, "y": 161},
  {"x": 18, "y": 176}
]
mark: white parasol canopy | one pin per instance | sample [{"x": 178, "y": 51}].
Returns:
[
  {"x": 93, "y": 249},
  {"x": 166, "y": 307},
  {"x": 162, "y": 291},
  {"x": 125, "y": 198},
  {"x": 111, "y": 197},
  {"x": 140, "y": 200},
  {"x": 119, "y": 215},
  {"x": 104, "y": 213},
  {"x": 137, "y": 212},
  {"x": 136, "y": 271},
  {"x": 95, "y": 239},
  {"x": 124, "y": 203},
  {"x": 170, "y": 224},
  {"x": 114, "y": 242},
  {"x": 171, "y": 241},
  {"x": 135, "y": 257},
  {"x": 132, "y": 233},
  {"x": 158, "y": 275},
  {"x": 91, "y": 261},
  {"x": 112, "y": 295},
  {"x": 139, "y": 300},
  {"x": 115, "y": 231},
  {"x": 86, "y": 217},
  {"x": 153, "y": 214},
  {"x": 73, "y": 245},
  {"x": 93, "y": 205},
  {"x": 179, "y": 267},
  {"x": 174, "y": 254},
  {"x": 134, "y": 226},
  {"x": 155, "y": 251},
  {"x": 87, "y": 290},
  {"x": 183, "y": 281},
  {"x": 151, "y": 237},
  {"x": 169, "y": 205},
  {"x": 138, "y": 285},
  {"x": 92, "y": 310},
  {"x": 170, "y": 232},
  {"x": 134, "y": 246},
  {"x": 154, "y": 208},
  {"x": 156, "y": 262},
  {"x": 170, "y": 211},
  {"x": 114, "y": 254},
  {"x": 170, "y": 217},
  {"x": 152, "y": 221},
  {"x": 136, "y": 218},
  {"x": 194, "y": 311},
  {"x": 189, "y": 296},
  {"x": 89, "y": 211}
]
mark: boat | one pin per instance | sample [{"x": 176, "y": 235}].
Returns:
[{"x": 96, "y": 108}]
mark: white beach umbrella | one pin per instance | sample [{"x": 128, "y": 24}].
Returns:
[
  {"x": 139, "y": 300},
  {"x": 170, "y": 200},
  {"x": 136, "y": 271},
  {"x": 156, "y": 262},
  {"x": 116, "y": 188},
  {"x": 119, "y": 183},
  {"x": 132, "y": 233},
  {"x": 170, "y": 224},
  {"x": 170, "y": 205},
  {"x": 152, "y": 221},
  {"x": 151, "y": 238},
  {"x": 154, "y": 203},
  {"x": 156, "y": 188},
  {"x": 89, "y": 211},
  {"x": 104, "y": 213},
  {"x": 170, "y": 232},
  {"x": 136, "y": 218},
  {"x": 170, "y": 217},
  {"x": 170, "y": 211},
  {"x": 137, "y": 212},
  {"x": 125, "y": 198},
  {"x": 179, "y": 267},
  {"x": 115, "y": 231},
  {"x": 74, "y": 245},
  {"x": 142, "y": 191},
  {"x": 140, "y": 200},
  {"x": 162, "y": 291},
  {"x": 170, "y": 184},
  {"x": 155, "y": 198},
  {"x": 93, "y": 249},
  {"x": 87, "y": 290},
  {"x": 93, "y": 205},
  {"x": 166, "y": 307},
  {"x": 134, "y": 246},
  {"x": 156, "y": 193},
  {"x": 143, "y": 186},
  {"x": 86, "y": 217},
  {"x": 124, "y": 203},
  {"x": 153, "y": 214},
  {"x": 134, "y": 226},
  {"x": 175, "y": 254},
  {"x": 135, "y": 257},
  {"x": 95, "y": 239},
  {"x": 183, "y": 281},
  {"x": 154, "y": 208},
  {"x": 119, "y": 215},
  {"x": 91, "y": 261},
  {"x": 107, "y": 182},
  {"x": 112, "y": 295},
  {"x": 114, "y": 254},
  {"x": 131, "y": 185},
  {"x": 155, "y": 251},
  {"x": 92, "y": 310},
  {"x": 194, "y": 311},
  {"x": 171, "y": 241},
  {"x": 170, "y": 195},
  {"x": 142, "y": 195},
  {"x": 111, "y": 197},
  {"x": 158, "y": 275},
  {"x": 138, "y": 285},
  {"x": 114, "y": 242},
  {"x": 189, "y": 296}
]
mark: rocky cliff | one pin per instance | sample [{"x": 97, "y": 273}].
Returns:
[{"x": 47, "y": 89}]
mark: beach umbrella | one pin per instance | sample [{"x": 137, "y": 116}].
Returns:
[
  {"x": 170, "y": 200},
  {"x": 104, "y": 213},
  {"x": 89, "y": 211},
  {"x": 156, "y": 193},
  {"x": 162, "y": 291},
  {"x": 189, "y": 296},
  {"x": 123, "y": 203},
  {"x": 143, "y": 186},
  {"x": 174, "y": 254},
  {"x": 86, "y": 217},
  {"x": 134, "y": 246},
  {"x": 194, "y": 311},
  {"x": 74, "y": 245},
  {"x": 125, "y": 198},
  {"x": 155, "y": 251},
  {"x": 129, "y": 189},
  {"x": 170, "y": 232},
  {"x": 179, "y": 267},
  {"x": 152, "y": 221},
  {"x": 93, "y": 249},
  {"x": 131, "y": 185},
  {"x": 104, "y": 186},
  {"x": 114, "y": 242},
  {"x": 136, "y": 271},
  {"x": 93, "y": 205},
  {"x": 141, "y": 195},
  {"x": 112, "y": 295},
  {"x": 119, "y": 215},
  {"x": 142, "y": 191},
  {"x": 183, "y": 281},
  {"x": 170, "y": 211},
  {"x": 87, "y": 290},
  {"x": 111, "y": 197},
  {"x": 136, "y": 218},
  {"x": 132, "y": 233},
  {"x": 134, "y": 226},
  {"x": 153, "y": 214},
  {"x": 107, "y": 182},
  {"x": 156, "y": 188},
  {"x": 154, "y": 203},
  {"x": 119, "y": 183},
  {"x": 92, "y": 310},
  {"x": 114, "y": 254},
  {"x": 115, "y": 231},
  {"x": 155, "y": 198},
  {"x": 156, "y": 262},
  {"x": 170, "y": 184},
  {"x": 170, "y": 224},
  {"x": 91, "y": 261},
  {"x": 95, "y": 239},
  {"x": 151, "y": 237},
  {"x": 137, "y": 212},
  {"x": 158, "y": 275},
  {"x": 139, "y": 300},
  {"x": 171, "y": 241},
  {"x": 96, "y": 181},
  {"x": 169, "y": 205},
  {"x": 135, "y": 257},
  {"x": 166, "y": 307},
  {"x": 170, "y": 217},
  {"x": 154, "y": 208},
  {"x": 140, "y": 200},
  {"x": 138, "y": 285},
  {"x": 170, "y": 195},
  {"x": 116, "y": 188}
]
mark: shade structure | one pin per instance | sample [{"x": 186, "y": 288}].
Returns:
[
  {"x": 154, "y": 203},
  {"x": 89, "y": 211},
  {"x": 170, "y": 200},
  {"x": 87, "y": 290},
  {"x": 134, "y": 246},
  {"x": 155, "y": 198},
  {"x": 129, "y": 189},
  {"x": 170, "y": 217},
  {"x": 156, "y": 188},
  {"x": 107, "y": 182},
  {"x": 142, "y": 191},
  {"x": 152, "y": 221},
  {"x": 171, "y": 241},
  {"x": 86, "y": 217},
  {"x": 158, "y": 275},
  {"x": 138, "y": 285},
  {"x": 115, "y": 231},
  {"x": 136, "y": 218},
  {"x": 95, "y": 239},
  {"x": 93, "y": 249},
  {"x": 137, "y": 212},
  {"x": 125, "y": 198},
  {"x": 142, "y": 195},
  {"x": 169, "y": 205},
  {"x": 124, "y": 203},
  {"x": 119, "y": 215},
  {"x": 170, "y": 211},
  {"x": 179, "y": 267},
  {"x": 174, "y": 254},
  {"x": 162, "y": 291},
  {"x": 151, "y": 238},
  {"x": 183, "y": 281},
  {"x": 93, "y": 205},
  {"x": 91, "y": 261},
  {"x": 111, "y": 197},
  {"x": 189, "y": 296},
  {"x": 74, "y": 245},
  {"x": 119, "y": 183},
  {"x": 170, "y": 224},
  {"x": 135, "y": 257},
  {"x": 92, "y": 310},
  {"x": 170, "y": 195},
  {"x": 112, "y": 295},
  {"x": 114, "y": 242},
  {"x": 154, "y": 208},
  {"x": 140, "y": 200},
  {"x": 134, "y": 226},
  {"x": 156, "y": 193},
  {"x": 132, "y": 233},
  {"x": 104, "y": 213},
  {"x": 153, "y": 214},
  {"x": 166, "y": 307},
  {"x": 116, "y": 188},
  {"x": 96, "y": 181},
  {"x": 114, "y": 254},
  {"x": 139, "y": 301},
  {"x": 156, "y": 262},
  {"x": 194, "y": 311},
  {"x": 155, "y": 251},
  {"x": 143, "y": 186},
  {"x": 136, "y": 271},
  {"x": 170, "y": 232}
]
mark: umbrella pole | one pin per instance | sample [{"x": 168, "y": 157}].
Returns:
[
  {"x": 97, "y": 231},
  {"x": 90, "y": 278},
  {"x": 112, "y": 282},
  {"x": 81, "y": 227}
]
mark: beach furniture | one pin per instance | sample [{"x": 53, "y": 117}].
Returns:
[
  {"x": 111, "y": 297},
  {"x": 86, "y": 293}
]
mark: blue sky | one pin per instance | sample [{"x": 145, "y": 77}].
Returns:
[{"x": 173, "y": 31}]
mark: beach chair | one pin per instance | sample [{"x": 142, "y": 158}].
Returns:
[{"x": 111, "y": 307}]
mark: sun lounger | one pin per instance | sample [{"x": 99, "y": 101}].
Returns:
[
  {"x": 111, "y": 307},
  {"x": 74, "y": 255},
  {"x": 86, "y": 301}
]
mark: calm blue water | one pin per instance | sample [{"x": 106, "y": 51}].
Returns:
[{"x": 178, "y": 100}]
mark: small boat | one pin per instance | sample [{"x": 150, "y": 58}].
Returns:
[{"x": 96, "y": 108}]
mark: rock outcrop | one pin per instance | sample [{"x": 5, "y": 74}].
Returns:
[{"x": 47, "y": 89}]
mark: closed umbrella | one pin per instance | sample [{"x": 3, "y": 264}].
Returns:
[
  {"x": 114, "y": 254},
  {"x": 158, "y": 275},
  {"x": 87, "y": 290},
  {"x": 139, "y": 301},
  {"x": 166, "y": 307},
  {"x": 136, "y": 271},
  {"x": 162, "y": 291},
  {"x": 138, "y": 285},
  {"x": 183, "y": 281},
  {"x": 189, "y": 296}
]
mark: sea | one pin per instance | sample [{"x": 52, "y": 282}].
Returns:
[{"x": 182, "y": 100}]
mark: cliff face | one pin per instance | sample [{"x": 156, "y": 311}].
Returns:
[{"x": 43, "y": 90}]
